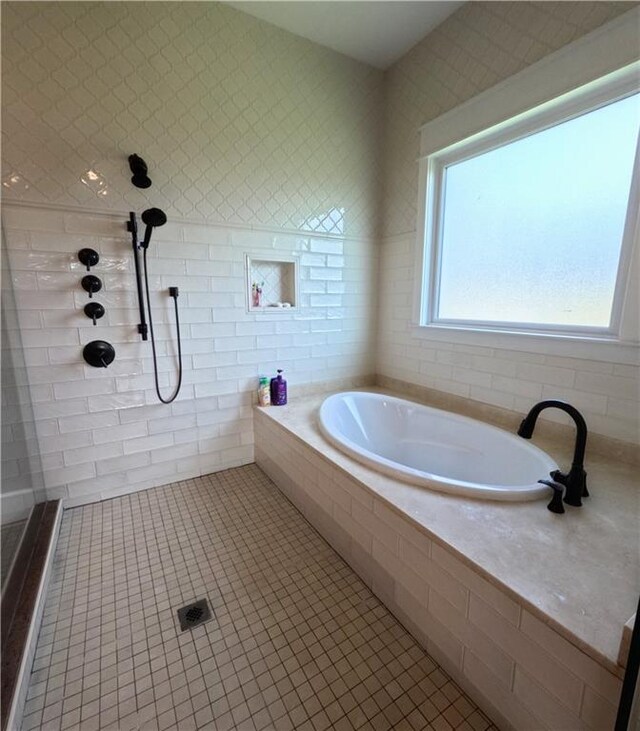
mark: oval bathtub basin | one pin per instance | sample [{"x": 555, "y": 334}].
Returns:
[{"x": 434, "y": 448}]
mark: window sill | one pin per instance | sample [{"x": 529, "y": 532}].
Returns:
[{"x": 598, "y": 347}]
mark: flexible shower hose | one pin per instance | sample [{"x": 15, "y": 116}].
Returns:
[{"x": 153, "y": 341}]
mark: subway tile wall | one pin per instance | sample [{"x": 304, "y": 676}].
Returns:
[
  {"x": 102, "y": 432},
  {"x": 607, "y": 393}
]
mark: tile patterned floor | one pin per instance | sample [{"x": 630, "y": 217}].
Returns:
[{"x": 297, "y": 640}]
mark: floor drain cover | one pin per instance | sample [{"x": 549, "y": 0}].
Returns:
[{"x": 194, "y": 614}]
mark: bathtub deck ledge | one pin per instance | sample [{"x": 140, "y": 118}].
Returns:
[{"x": 577, "y": 572}]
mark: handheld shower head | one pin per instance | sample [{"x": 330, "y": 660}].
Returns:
[
  {"x": 152, "y": 217},
  {"x": 139, "y": 169}
]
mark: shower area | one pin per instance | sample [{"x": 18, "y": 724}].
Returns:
[
  {"x": 28, "y": 519},
  {"x": 194, "y": 201},
  {"x": 22, "y": 482}
]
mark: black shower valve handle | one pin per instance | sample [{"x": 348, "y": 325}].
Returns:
[
  {"x": 94, "y": 310},
  {"x": 99, "y": 353},
  {"x": 88, "y": 257},
  {"x": 91, "y": 284}
]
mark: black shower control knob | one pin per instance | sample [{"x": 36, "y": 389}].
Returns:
[
  {"x": 99, "y": 353},
  {"x": 91, "y": 284},
  {"x": 94, "y": 310},
  {"x": 88, "y": 257}
]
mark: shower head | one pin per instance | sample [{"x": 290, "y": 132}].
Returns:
[
  {"x": 152, "y": 217},
  {"x": 139, "y": 169}
]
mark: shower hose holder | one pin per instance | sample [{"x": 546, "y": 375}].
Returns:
[{"x": 132, "y": 228}]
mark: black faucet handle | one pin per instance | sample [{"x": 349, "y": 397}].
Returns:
[
  {"x": 555, "y": 506},
  {"x": 576, "y": 483}
]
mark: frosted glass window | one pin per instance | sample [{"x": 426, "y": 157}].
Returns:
[{"x": 531, "y": 232}]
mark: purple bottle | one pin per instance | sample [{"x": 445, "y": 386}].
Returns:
[{"x": 278, "y": 390}]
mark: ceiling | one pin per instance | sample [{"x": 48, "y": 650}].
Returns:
[{"x": 377, "y": 33}]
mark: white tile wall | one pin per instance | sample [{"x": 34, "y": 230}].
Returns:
[
  {"x": 478, "y": 46},
  {"x": 240, "y": 122},
  {"x": 606, "y": 392},
  {"x": 519, "y": 669},
  {"x": 102, "y": 431}
]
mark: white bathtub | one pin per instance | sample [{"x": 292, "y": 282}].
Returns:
[{"x": 434, "y": 448}]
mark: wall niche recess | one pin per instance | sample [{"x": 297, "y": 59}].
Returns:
[{"x": 272, "y": 283}]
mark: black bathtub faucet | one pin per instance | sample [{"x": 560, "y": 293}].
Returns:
[{"x": 575, "y": 480}]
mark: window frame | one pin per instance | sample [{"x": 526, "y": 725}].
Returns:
[{"x": 563, "y": 86}]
